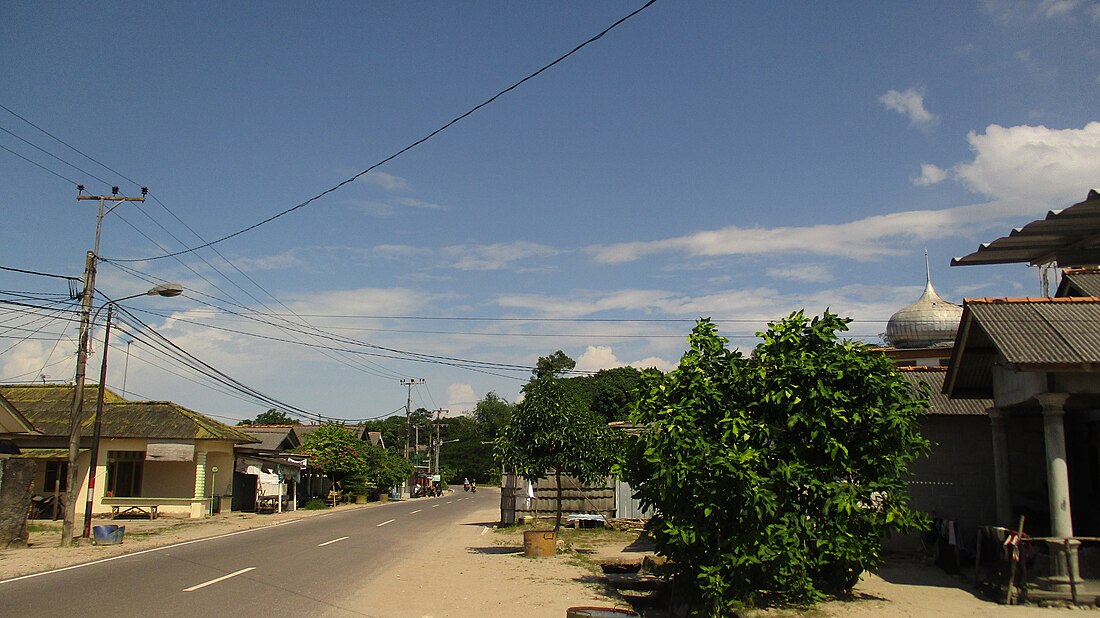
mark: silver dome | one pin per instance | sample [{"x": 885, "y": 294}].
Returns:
[{"x": 931, "y": 322}]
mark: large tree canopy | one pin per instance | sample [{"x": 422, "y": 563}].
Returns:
[
  {"x": 550, "y": 432},
  {"x": 271, "y": 417},
  {"x": 776, "y": 473}
]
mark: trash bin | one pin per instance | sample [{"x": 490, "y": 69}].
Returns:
[
  {"x": 215, "y": 504},
  {"x": 108, "y": 534}
]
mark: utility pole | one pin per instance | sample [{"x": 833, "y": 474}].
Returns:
[
  {"x": 76, "y": 411},
  {"x": 408, "y": 409},
  {"x": 438, "y": 443}
]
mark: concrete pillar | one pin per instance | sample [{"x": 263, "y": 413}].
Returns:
[
  {"x": 1054, "y": 438},
  {"x": 1000, "y": 467},
  {"x": 1061, "y": 516},
  {"x": 198, "y": 508}
]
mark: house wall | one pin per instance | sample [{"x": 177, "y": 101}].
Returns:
[
  {"x": 163, "y": 479},
  {"x": 168, "y": 479},
  {"x": 955, "y": 482},
  {"x": 220, "y": 483},
  {"x": 1011, "y": 387}
]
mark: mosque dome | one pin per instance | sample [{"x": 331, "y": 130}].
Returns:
[{"x": 931, "y": 322}]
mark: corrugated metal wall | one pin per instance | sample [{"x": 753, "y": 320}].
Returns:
[
  {"x": 626, "y": 507},
  {"x": 576, "y": 498},
  {"x": 610, "y": 498}
]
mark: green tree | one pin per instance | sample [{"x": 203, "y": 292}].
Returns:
[
  {"x": 271, "y": 417},
  {"x": 554, "y": 365},
  {"x": 609, "y": 392},
  {"x": 549, "y": 432},
  {"x": 384, "y": 468},
  {"x": 335, "y": 450},
  {"x": 491, "y": 414},
  {"x": 779, "y": 472}
]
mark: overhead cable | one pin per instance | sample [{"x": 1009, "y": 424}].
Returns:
[{"x": 406, "y": 148}]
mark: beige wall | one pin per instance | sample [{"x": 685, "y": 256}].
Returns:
[{"x": 163, "y": 479}]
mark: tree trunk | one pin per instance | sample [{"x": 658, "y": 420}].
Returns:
[{"x": 557, "y": 520}]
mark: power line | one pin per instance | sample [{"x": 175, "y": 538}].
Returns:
[
  {"x": 418, "y": 142},
  {"x": 40, "y": 166}
]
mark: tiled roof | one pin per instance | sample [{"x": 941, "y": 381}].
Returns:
[
  {"x": 47, "y": 408},
  {"x": 941, "y": 404},
  {"x": 1029, "y": 334}
]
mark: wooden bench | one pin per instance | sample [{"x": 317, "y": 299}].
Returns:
[
  {"x": 145, "y": 509},
  {"x": 147, "y": 506}
]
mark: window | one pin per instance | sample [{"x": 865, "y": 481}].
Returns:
[
  {"x": 57, "y": 472},
  {"x": 124, "y": 473}
]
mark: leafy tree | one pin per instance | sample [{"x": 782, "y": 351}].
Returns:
[
  {"x": 491, "y": 414},
  {"x": 336, "y": 451},
  {"x": 551, "y": 433},
  {"x": 384, "y": 468},
  {"x": 553, "y": 365},
  {"x": 392, "y": 429},
  {"x": 271, "y": 417},
  {"x": 776, "y": 473},
  {"x": 609, "y": 392}
]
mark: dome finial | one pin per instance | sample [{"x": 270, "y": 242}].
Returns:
[{"x": 929, "y": 322}]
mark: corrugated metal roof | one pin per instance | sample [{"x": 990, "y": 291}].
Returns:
[
  {"x": 1080, "y": 282},
  {"x": 942, "y": 404},
  {"x": 1070, "y": 237},
  {"x": 47, "y": 407},
  {"x": 1031, "y": 334},
  {"x": 1062, "y": 331},
  {"x": 273, "y": 438}
]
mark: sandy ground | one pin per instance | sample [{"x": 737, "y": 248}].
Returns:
[{"x": 472, "y": 570}]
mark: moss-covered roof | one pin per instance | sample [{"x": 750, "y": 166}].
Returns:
[{"x": 47, "y": 406}]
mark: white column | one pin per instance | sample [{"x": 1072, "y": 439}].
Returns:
[
  {"x": 197, "y": 507},
  {"x": 1054, "y": 438},
  {"x": 1000, "y": 467},
  {"x": 1061, "y": 517}
]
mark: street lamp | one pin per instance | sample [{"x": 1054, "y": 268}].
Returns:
[
  {"x": 76, "y": 409},
  {"x": 167, "y": 290}
]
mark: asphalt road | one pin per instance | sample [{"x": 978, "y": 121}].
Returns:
[{"x": 300, "y": 568}]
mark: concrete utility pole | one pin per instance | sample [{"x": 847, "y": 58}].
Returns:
[
  {"x": 438, "y": 443},
  {"x": 408, "y": 409},
  {"x": 76, "y": 411}
]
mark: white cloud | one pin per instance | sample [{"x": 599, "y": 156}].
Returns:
[
  {"x": 810, "y": 273},
  {"x": 388, "y": 182},
  {"x": 1052, "y": 167},
  {"x": 1010, "y": 11},
  {"x": 495, "y": 256},
  {"x": 910, "y": 104},
  {"x": 415, "y": 203},
  {"x": 460, "y": 398},
  {"x": 929, "y": 175},
  {"x": 597, "y": 357},
  {"x": 286, "y": 259},
  {"x": 1023, "y": 169},
  {"x": 366, "y": 301},
  {"x": 600, "y": 357},
  {"x": 1057, "y": 8}
]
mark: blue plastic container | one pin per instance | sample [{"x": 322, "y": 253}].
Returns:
[{"x": 108, "y": 534}]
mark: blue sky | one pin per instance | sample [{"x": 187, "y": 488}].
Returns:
[{"x": 737, "y": 160}]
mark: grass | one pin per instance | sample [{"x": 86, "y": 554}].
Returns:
[{"x": 45, "y": 528}]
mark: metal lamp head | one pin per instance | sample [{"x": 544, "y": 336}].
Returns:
[{"x": 167, "y": 289}]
